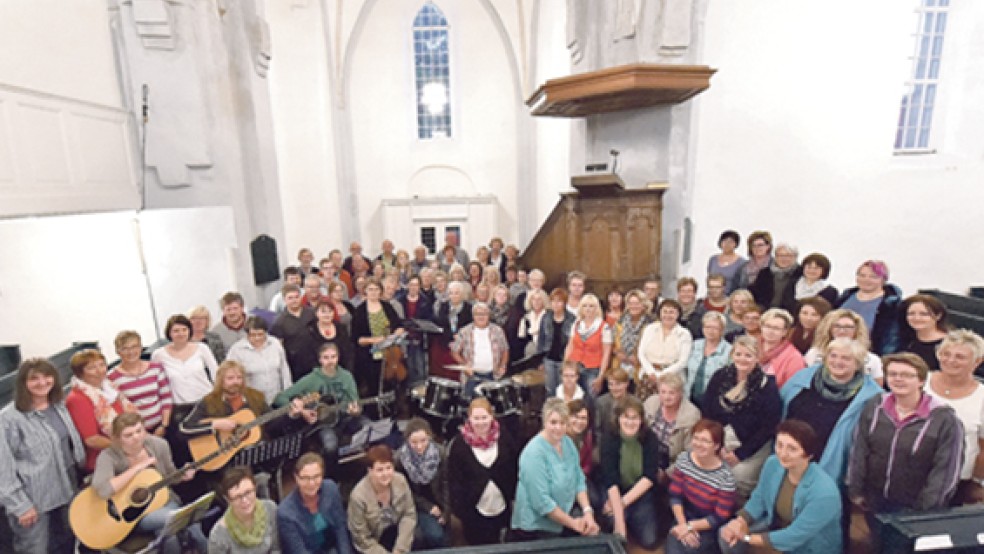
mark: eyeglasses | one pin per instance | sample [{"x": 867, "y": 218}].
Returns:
[
  {"x": 901, "y": 375},
  {"x": 309, "y": 478},
  {"x": 847, "y": 327},
  {"x": 245, "y": 495},
  {"x": 781, "y": 329}
]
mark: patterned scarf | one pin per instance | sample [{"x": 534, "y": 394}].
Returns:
[
  {"x": 420, "y": 468},
  {"x": 830, "y": 389},
  {"x": 102, "y": 402},
  {"x": 247, "y": 536},
  {"x": 629, "y": 333},
  {"x": 473, "y": 440},
  {"x": 737, "y": 396}
]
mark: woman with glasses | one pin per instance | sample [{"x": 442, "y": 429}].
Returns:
[
  {"x": 311, "y": 520},
  {"x": 249, "y": 525}
]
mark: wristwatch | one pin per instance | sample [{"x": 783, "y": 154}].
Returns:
[
  {"x": 690, "y": 528},
  {"x": 747, "y": 538},
  {"x": 588, "y": 510}
]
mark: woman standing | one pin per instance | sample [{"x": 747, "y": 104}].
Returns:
[
  {"x": 808, "y": 282},
  {"x": 263, "y": 359},
  {"x": 708, "y": 355},
  {"x": 663, "y": 348},
  {"x": 569, "y": 389},
  {"x": 925, "y": 327},
  {"x": 372, "y": 322},
  {"x": 40, "y": 455},
  {"x": 759, "y": 257},
  {"x": 555, "y": 332},
  {"x": 482, "y": 475},
  {"x": 421, "y": 460},
  {"x": 451, "y": 316},
  {"x": 844, "y": 324},
  {"x": 629, "y": 465},
  {"x": 381, "y": 515},
  {"x": 145, "y": 384},
  {"x": 877, "y": 302},
  {"x": 590, "y": 345},
  {"x": 550, "y": 481},
  {"x": 311, "y": 519},
  {"x": 728, "y": 263},
  {"x": 795, "y": 508},
  {"x": 702, "y": 493},
  {"x": 745, "y": 400},
  {"x": 778, "y": 356},
  {"x": 190, "y": 365},
  {"x": 671, "y": 418},
  {"x": 475, "y": 270},
  {"x": 343, "y": 308},
  {"x": 529, "y": 325},
  {"x": 501, "y": 305},
  {"x": 628, "y": 331},
  {"x": 416, "y": 305},
  {"x": 830, "y": 397},
  {"x": 960, "y": 353},
  {"x": 770, "y": 285},
  {"x": 249, "y": 525},
  {"x": 201, "y": 322},
  {"x": 615, "y": 307},
  {"x": 739, "y": 303},
  {"x": 320, "y": 331},
  {"x": 908, "y": 448},
  {"x": 94, "y": 403},
  {"x": 811, "y": 311}
]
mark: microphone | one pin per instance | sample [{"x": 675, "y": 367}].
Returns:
[{"x": 146, "y": 107}]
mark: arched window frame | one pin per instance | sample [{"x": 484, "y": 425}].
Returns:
[{"x": 432, "y": 72}]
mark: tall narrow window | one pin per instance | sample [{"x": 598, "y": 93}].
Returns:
[
  {"x": 916, "y": 111},
  {"x": 432, "y": 73}
]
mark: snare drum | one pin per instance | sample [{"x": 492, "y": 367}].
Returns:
[
  {"x": 502, "y": 395},
  {"x": 530, "y": 390},
  {"x": 441, "y": 397}
]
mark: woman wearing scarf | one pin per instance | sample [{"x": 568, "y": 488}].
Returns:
[
  {"x": 629, "y": 465},
  {"x": 249, "y": 525},
  {"x": 745, "y": 400},
  {"x": 628, "y": 331},
  {"x": 482, "y": 475},
  {"x": 529, "y": 325},
  {"x": 501, "y": 305},
  {"x": 422, "y": 461},
  {"x": 590, "y": 344},
  {"x": 771, "y": 283},
  {"x": 809, "y": 280},
  {"x": 777, "y": 354},
  {"x": 94, "y": 403},
  {"x": 759, "y": 258}
]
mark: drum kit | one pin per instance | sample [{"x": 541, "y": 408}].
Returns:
[{"x": 440, "y": 400}]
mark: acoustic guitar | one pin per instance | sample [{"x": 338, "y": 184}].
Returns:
[
  {"x": 246, "y": 433},
  {"x": 101, "y": 523}
]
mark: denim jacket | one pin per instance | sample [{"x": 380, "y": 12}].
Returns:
[{"x": 547, "y": 327}]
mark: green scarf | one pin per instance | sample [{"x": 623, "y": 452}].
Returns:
[
  {"x": 630, "y": 461},
  {"x": 834, "y": 391},
  {"x": 248, "y": 537}
]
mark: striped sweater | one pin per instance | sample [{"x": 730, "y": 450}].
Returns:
[
  {"x": 150, "y": 392},
  {"x": 703, "y": 493}
]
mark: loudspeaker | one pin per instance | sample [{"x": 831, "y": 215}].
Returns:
[
  {"x": 10, "y": 358},
  {"x": 266, "y": 269}
]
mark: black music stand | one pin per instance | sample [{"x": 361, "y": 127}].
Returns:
[
  {"x": 532, "y": 361},
  {"x": 280, "y": 449},
  {"x": 181, "y": 519}
]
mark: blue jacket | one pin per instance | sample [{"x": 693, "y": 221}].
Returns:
[
  {"x": 546, "y": 330},
  {"x": 816, "y": 510},
  {"x": 835, "y": 456},
  {"x": 885, "y": 337},
  {"x": 721, "y": 357},
  {"x": 294, "y": 521}
]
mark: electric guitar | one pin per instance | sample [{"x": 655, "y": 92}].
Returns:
[
  {"x": 246, "y": 433},
  {"x": 101, "y": 523}
]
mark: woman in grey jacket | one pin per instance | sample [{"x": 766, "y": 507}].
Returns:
[
  {"x": 40, "y": 453},
  {"x": 381, "y": 513}
]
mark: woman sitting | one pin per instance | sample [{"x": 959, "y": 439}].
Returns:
[
  {"x": 829, "y": 397},
  {"x": 796, "y": 506},
  {"x": 311, "y": 519},
  {"x": 629, "y": 465},
  {"x": 133, "y": 451},
  {"x": 702, "y": 492},
  {"x": 663, "y": 348},
  {"x": 924, "y": 328},
  {"x": 960, "y": 353},
  {"x": 249, "y": 525},
  {"x": 809, "y": 281},
  {"x": 671, "y": 417},
  {"x": 746, "y": 401},
  {"x": 381, "y": 515},
  {"x": 482, "y": 475},
  {"x": 421, "y": 460},
  {"x": 581, "y": 431},
  {"x": 778, "y": 356},
  {"x": 877, "y": 302},
  {"x": 844, "y": 324},
  {"x": 40, "y": 455},
  {"x": 263, "y": 359},
  {"x": 550, "y": 480},
  {"x": 94, "y": 403},
  {"x": 808, "y": 317},
  {"x": 707, "y": 356},
  {"x": 728, "y": 263},
  {"x": 144, "y": 383},
  {"x": 908, "y": 448}
]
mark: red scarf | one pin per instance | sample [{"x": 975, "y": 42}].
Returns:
[{"x": 475, "y": 441}]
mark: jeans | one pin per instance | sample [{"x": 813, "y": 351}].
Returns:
[
  {"x": 708, "y": 544},
  {"x": 416, "y": 365},
  {"x": 551, "y": 377},
  {"x": 476, "y": 379},
  {"x": 640, "y": 521},
  {"x": 347, "y": 425},
  {"x": 585, "y": 379},
  {"x": 155, "y": 521},
  {"x": 429, "y": 533},
  {"x": 741, "y": 546},
  {"x": 50, "y": 533}
]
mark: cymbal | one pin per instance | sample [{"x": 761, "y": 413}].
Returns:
[{"x": 456, "y": 367}]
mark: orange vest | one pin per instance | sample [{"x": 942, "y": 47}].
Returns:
[{"x": 588, "y": 352}]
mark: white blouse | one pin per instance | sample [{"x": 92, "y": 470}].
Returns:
[{"x": 189, "y": 379}]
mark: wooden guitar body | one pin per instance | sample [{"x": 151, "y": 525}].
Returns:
[
  {"x": 208, "y": 444},
  {"x": 102, "y": 524}
]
